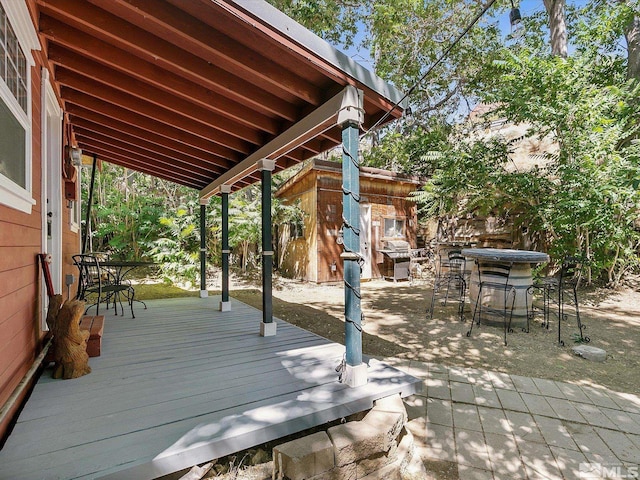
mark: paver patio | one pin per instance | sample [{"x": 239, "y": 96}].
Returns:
[{"x": 499, "y": 426}]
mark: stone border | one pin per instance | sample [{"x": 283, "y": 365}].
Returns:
[{"x": 379, "y": 444}]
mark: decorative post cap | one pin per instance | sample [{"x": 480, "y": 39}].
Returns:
[{"x": 266, "y": 164}]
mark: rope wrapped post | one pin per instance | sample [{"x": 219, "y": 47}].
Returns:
[
  {"x": 350, "y": 117},
  {"x": 268, "y": 326},
  {"x": 225, "y": 303},
  {"x": 203, "y": 248}
]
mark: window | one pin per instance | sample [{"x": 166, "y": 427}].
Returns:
[
  {"x": 394, "y": 227},
  {"x": 296, "y": 230},
  {"x": 15, "y": 119}
]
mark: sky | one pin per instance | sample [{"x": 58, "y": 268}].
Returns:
[{"x": 527, "y": 8}]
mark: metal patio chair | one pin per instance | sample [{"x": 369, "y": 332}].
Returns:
[
  {"x": 98, "y": 281},
  {"x": 493, "y": 284},
  {"x": 450, "y": 269},
  {"x": 561, "y": 289}
]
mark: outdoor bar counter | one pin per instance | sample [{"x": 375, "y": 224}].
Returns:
[{"x": 520, "y": 277}]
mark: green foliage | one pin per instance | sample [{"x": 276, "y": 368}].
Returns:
[
  {"x": 333, "y": 20},
  {"x": 407, "y": 151},
  {"x": 585, "y": 200},
  {"x": 135, "y": 216},
  {"x": 177, "y": 251}
]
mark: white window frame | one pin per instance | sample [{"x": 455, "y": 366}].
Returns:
[
  {"x": 402, "y": 234},
  {"x": 12, "y": 194}
]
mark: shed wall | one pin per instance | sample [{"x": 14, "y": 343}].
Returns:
[{"x": 320, "y": 249}]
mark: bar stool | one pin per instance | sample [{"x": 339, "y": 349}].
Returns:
[
  {"x": 451, "y": 268},
  {"x": 555, "y": 290},
  {"x": 493, "y": 283}
]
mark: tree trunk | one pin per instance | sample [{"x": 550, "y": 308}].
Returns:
[
  {"x": 632, "y": 34},
  {"x": 557, "y": 27}
]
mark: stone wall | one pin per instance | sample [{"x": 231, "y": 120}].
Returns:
[{"x": 376, "y": 447}]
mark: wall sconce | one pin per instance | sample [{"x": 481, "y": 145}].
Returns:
[{"x": 76, "y": 156}]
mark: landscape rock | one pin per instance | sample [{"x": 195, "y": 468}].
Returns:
[{"x": 588, "y": 352}]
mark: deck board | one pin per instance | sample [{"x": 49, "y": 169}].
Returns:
[{"x": 180, "y": 384}]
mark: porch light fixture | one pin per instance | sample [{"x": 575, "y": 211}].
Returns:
[
  {"x": 515, "y": 19},
  {"x": 514, "y": 16},
  {"x": 76, "y": 156}
]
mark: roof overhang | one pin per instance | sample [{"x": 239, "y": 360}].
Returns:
[{"x": 196, "y": 91}]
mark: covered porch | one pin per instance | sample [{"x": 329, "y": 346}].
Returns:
[{"x": 181, "y": 384}]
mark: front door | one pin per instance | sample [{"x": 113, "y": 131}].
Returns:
[
  {"x": 365, "y": 240},
  {"x": 52, "y": 209}
]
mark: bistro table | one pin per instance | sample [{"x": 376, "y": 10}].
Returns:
[
  {"x": 520, "y": 277},
  {"x": 119, "y": 269}
]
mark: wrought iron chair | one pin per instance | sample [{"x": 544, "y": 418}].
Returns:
[
  {"x": 95, "y": 280},
  {"x": 493, "y": 281},
  {"x": 450, "y": 269},
  {"x": 565, "y": 282},
  {"x": 440, "y": 281}
]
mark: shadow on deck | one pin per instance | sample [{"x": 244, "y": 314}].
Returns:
[{"x": 181, "y": 384}]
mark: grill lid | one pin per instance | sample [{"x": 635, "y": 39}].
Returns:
[{"x": 396, "y": 245}]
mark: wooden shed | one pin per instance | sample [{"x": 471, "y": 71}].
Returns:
[{"x": 311, "y": 250}]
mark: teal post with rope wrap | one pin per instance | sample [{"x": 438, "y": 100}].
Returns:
[
  {"x": 351, "y": 237},
  {"x": 225, "y": 304},
  {"x": 353, "y": 371}
]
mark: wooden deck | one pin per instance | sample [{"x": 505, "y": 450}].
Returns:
[{"x": 180, "y": 384}]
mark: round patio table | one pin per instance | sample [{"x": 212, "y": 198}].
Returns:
[{"x": 519, "y": 276}]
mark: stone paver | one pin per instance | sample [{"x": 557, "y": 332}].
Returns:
[{"x": 498, "y": 426}]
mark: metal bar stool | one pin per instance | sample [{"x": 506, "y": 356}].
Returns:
[
  {"x": 445, "y": 274},
  {"x": 562, "y": 286},
  {"x": 494, "y": 288}
]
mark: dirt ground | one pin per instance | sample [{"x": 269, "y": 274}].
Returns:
[{"x": 396, "y": 325}]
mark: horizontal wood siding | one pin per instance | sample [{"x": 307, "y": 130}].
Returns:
[
  {"x": 20, "y": 242},
  {"x": 298, "y": 254}
]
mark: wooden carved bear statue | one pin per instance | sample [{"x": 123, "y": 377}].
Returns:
[{"x": 69, "y": 342}]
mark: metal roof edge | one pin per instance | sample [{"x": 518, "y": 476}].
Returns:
[{"x": 312, "y": 42}]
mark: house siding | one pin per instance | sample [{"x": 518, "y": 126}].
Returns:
[
  {"x": 20, "y": 243},
  {"x": 20, "y": 276}
]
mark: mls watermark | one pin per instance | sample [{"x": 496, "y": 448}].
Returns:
[{"x": 608, "y": 470}]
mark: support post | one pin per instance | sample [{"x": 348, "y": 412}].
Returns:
[
  {"x": 268, "y": 326},
  {"x": 89, "y": 204},
  {"x": 349, "y": 118},
  {"x": 203, "y": 248},
  {"x": 225, "y": 304}
]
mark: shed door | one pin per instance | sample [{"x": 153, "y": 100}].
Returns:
[{"x": 365, "y": 240}]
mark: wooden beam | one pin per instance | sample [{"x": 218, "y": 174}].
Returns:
[
  {"x": 150, "y": 75},
  {"x": 124, "y": 149},
  {"x": 99, "y": 132},
  {"x": 86, "y": 69},
  {"x": 189, "y": 33},
  {"x": 99, "y": 123},
  {"x": 320, "y": 120},
  {"x": 73, "y": 97},
  {"x": 145, "y": 108},
  {"x": 143, "y": 167},
  {"x": 110, "y": 29}
]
